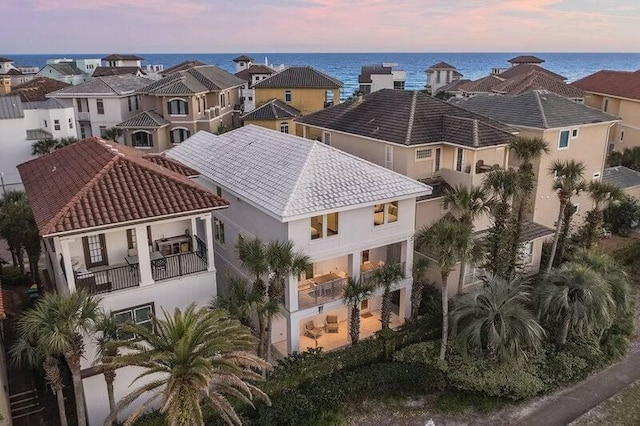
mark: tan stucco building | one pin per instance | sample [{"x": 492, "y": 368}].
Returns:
[{"x": 273, "y": 115}]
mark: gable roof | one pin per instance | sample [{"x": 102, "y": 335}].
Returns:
[
  {"x": 299, "y": 77},
  {"x": 536, "y": 80},
  {"x": 148, "y": 119},
  {"x": 368, "y": 70},
  {"x": 530, "y": 231},
  {"x": 272, "y": 110},
  {"x": 410, "y": 118},
  {"x": 243, "y": 58},
  {"x": 65, "y": 68},
  {"x": 246, "y": 73},
  {"x": 184, "y": 65},
  {"x": 10, "y": 107},
  {"x": 118, "y": 57},
  {"x": 484, "y": 84},
  {"x": 526, "y": 69},
  {"x": 289, "y": 177},
  {"x": 538, "y": 109},
  {"x": 454, "y": 86},
  {"x": 95, "y": 183},
  {"x": 624, "y": 84},
  {"x": 440, "y": 66},
  {"x": 36, "y": 89},
  {"x": 621, "y": 176},
  {"x": 102, "y": 71},
  {"x": 118, "y": 85},
  {"x": 198, "y": 79},
  {"x": 526, "y": 59}
]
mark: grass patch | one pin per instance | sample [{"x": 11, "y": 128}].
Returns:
[
  {"x": 457, "y": 403},
  {"x": 621, "y": 410}
]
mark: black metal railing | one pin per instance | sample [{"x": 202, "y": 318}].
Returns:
[
  {"x": 178, "y": 265},
  {"x": 201, "y": 249},
  {"x": 322, "y": 293},
  {"x": 108, "y": 279}
]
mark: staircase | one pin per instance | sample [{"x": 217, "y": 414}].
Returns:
[{"x": 23, "y": 405}]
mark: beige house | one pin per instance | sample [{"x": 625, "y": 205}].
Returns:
[
  {"x": 429, "y": 140},
  {"x": 274, "y": 115},
  {"x": 616, "y": 93},
  {"x": 199, "y": 98}
]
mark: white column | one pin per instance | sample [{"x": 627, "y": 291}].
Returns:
[
  {"x": 208, "y": 229},
  {"x": 506, "y": 158},
  {"x": 293, "y": 334},
  {"x": 291, "y": 294},
  {"x": 406, "y": 253},
  {"x": 144, "y": 260},
  {"x": 304, "y": 131},
  {"x": 68, "y": 267},
  {"x": 355, "y": 265},
  {"x": 194, "y": 228}
]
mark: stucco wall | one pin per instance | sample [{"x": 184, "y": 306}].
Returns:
[
  {"x": 15, "y": 150},
  {"x": 306, "y": 100}
]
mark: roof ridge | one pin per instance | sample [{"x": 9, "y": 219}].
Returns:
[
  {"x": 299, "y": 178},
  {"x": 412, "y": 116},
  {"x": 108, "y": 85},
  {"x": 536, "y": 93},
  {"x": 476, "y": 138}
]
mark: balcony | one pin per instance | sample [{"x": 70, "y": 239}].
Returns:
[
  {"x": 321, "y": 289},
  {"x": 368, "y": 270}
]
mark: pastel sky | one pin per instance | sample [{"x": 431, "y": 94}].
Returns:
[{"x": 217, "y": 26}]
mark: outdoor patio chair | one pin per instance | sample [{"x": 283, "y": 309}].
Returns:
[
  {"x": 331, "y": 324},
  {"x": 310, "y": 330}
]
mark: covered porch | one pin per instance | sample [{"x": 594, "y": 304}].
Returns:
[{"x": 468, "y": 166}]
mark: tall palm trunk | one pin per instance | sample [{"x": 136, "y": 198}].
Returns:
[
  {"x": 463, "y": 271},
  {"x": 515, "y": 238},
  {"x": 73, "y": 361},
  {"x": 385, "y": 314},
  {"x": 563, "y": 205},
  {"x": 268, "y": 338},
  {"x": 416, "y": 298},
  {"x": 261, "y": 333},
  {"x": 445, "y": 314},
  {"x": 109, "y": 377},
  {"x": 53, "y": 377},
  {"x": 564, "y": 233},
  {"x": 354, "y": 326}
]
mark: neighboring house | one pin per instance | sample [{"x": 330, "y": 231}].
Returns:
[
  {"x": 37, "y": 89},
  {"x": 66, "y": 72},
  {"x": 252, "y": 75},
  {"x": 537, "y": 80},
  {"x": 453, "y": 89},
  {"x": 348, "y": 215},
  {"x": 87, "y": 66},
  {"x": 5, "y": 85},
  {"x": 106, "y": 230},
  {"x": 616, "y": 93},
  {"x": 182, "y": 66},
  {"x": 439, "y": 75},
  {"x": 274, "y": 115},
  {"x": 480, "y": 86},
  {"x": 378, "y": 77},
  {"x": 624, "y": 178},
  {"x": 21, "y": 124},
  {"x": 102, "y": 102},
  {"x": 103, "y": 71},
  {"x": 429, "y": 140},
  {"x": 572, "y": 131},
  {"x": 525, "y": 60},
  {"x": 116, "y": 60},
  {"x": 203, "y": 97},
  {"x": 304, "y": 88},
  {"x": 16, "y": 73}
]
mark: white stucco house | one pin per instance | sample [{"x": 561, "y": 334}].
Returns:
[
  {"x": 102, "y": 102},
  {"x": 106, "y": 230},
  {"x": 348, "y": 215}
]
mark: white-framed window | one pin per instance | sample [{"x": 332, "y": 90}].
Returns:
[
  {"x": 459, "y": 159},
  {"x": 284, "y": 127},
  {"x": 142, "y": 139},
  {"x": 385, "y": 213},
  {"x": 287, "y": 96},
  {"x": 139, "y": 315},
  {"x": 574, "y": 133},
  {"x": 179, "y": 134},
  {"x": 388, "y": 157},
  {"x": 100, "y": 106},
  {"x": 473, "y": 274},
  {"x": 218, "y": 227},
  {"x": 56, "y": 124},
  {"x": 103, "y": 130},
  {"x": 605, "y": 104},
  {"x": 526, "y": 253},
  {"x": 222, "y": 102},
  {"x": 323, "y": 226},
  {"x": 423, "y": 153},
  {"x": 178, "y": 107},
  {"x": 326, "y": 138},
  {"x": 228, "y": 99},
  {"x": 563, "y": 139},
  {"x": 79, "y": 104}
]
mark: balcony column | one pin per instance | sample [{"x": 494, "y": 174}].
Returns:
[
  {"x": 208, "y": 229},
  {"x": 293, "y": 334},
  {"x": 291, "y": 294},
  {"x": 194, "y": 228},
  {"x": 506, "y": 158},
  {"x": 68, "y": 267},
  {"x": 355, "y": 265},
  {"x": 473, "y": 163},
  {"x": 406, "y": 253},
  {"x": 144, "y": 258}
]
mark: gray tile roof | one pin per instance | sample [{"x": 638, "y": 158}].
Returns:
[
  {"x": 246, "y": 73},
  {"x": 66, "y": 68},
  {"x": 441, "y": 66},
  {"x": 273, "y": 110},
  {"x": 198, "y": 79},
  {"x": 526, "y": 69},
  {"x": 3, "y": 60},
  {"x": 144, "y": 119},
  {"x": 530, "y": 231},
  {"x": 299, "y": 77},
  {"x": 621, "y": 176},
  {"x": 119, "y": 85},
  {"x": 290, "y": 177},
  {"x": 538, "y": 109},
  {"x": 368, "y": 70},
  {"x": 243, "y": 58},
  {"x": 102, "y": 71},
  {"x": 454, "y": 86},
  {"x": 10, "y": 107},
  {"x": 526, "y": 59},
  {"x": 47, "y": 104},
  {"x": 410, "y": 118},
  {"x": 118, "y": 57},
  {"x": 184, "y": 65}
]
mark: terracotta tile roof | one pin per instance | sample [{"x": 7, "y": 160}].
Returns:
[
  {"x": 117, "y": 57},
  {"x": 441, "y": 66},
  {"x": 102, "y": 71},
  {"x": 242, "y": 58},
  {"x": 145, "y": 119},
  {"x": 454, "y": 86},
  {"x": 536, "y": 80},
  {"x": 272, "y": 110},
  {"x": 246, "y": 73},
  {"x": 526, "y": 59},
  {"x": 299, "y": 77},
  {"x": 95, "y": 183},
  {"x": 36, "y": 90},
  {"x": 625, "y": 84},
  {"x": 526, "y": 69},
  {"x": 171, "y": 164},
  {"x": 482, "y": 85},
  {"x": 184, "y": 65}
]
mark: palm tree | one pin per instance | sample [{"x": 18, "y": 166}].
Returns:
[
  {"x": 420, "y": 265},
  {"x": 527, "y": 150},
  {"x": 577, "y": 297},
  {"x": 241, "y": 301},
  {"x": 386, "y": 276},
  {"x": 448, "y": 241},
  {"x": 196, "y": 357},
  {"x": 602, "y": 194},
  {"x": 503, "y": 185},
  {"x": 355, "y": 292},
  {"x": 33, "y": 356},
  {"x": 43, "y": 146},
  {"x": 57, "y": 323},
  {"x": 496, "y": 319},
  {"x": 567, "y": 183},
  {"x": 112, "y": 134},
  {"x": 106, "y": 326},
  {"x": 466, "y": 204}
]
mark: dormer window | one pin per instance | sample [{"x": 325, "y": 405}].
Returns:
[{"x": 287, "y": 95}]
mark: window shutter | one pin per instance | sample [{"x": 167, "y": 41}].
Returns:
[
  {"x": 169, "y": 108},
  {"x": 171, "y": 138}
]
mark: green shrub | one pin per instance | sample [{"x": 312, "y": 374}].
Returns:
[
  {"x": 11, "y": 277},
  {"x": 453, "y": 403},
  {"x": 562, "y": 367},
  {"x": 430, "y": 309}
]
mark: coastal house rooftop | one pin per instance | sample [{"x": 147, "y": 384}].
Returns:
[
  {"x": 37, "y": 89},
  {"x": 197, "y": 79},
  {"x": 623, "y": 84},
  {"x": 299, "y": 77},
  {"x": 272, "y": 110},
  {"x": 112, "y": 85}
]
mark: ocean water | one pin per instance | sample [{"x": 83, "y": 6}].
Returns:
[{"x": 346, "y": 66}]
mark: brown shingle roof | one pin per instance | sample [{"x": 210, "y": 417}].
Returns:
[
  {"x": 185, "y": 65},
  {"x": 526, "y": 69},
  {"x": 526, "y": 59},
  {"x": 243, "y": 58},
  {"x": 454, "y": 86},
  {"x": 102, "y": 71},
  {"x": 275, "y": 109},
  {"x": 300, "y": 77},
  {"x": 118, "y": 57},
  {"x": 536, "y": 80},
  {"x": 484, "y": 84},
  {"x": 94, "y": 183},
  {"x": 440, "y": 66},
  {"x": 36, "y": 90},
  {"x": 246, "y": 73},
  {"x": 625, "y": 84}
]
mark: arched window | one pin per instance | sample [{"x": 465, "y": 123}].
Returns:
[
  {"x": 284, "y": 127},
  {"x": 179, "y": 134},
  {"x": 142, "y": 139},
  {"x": 178, "y": 107}
]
